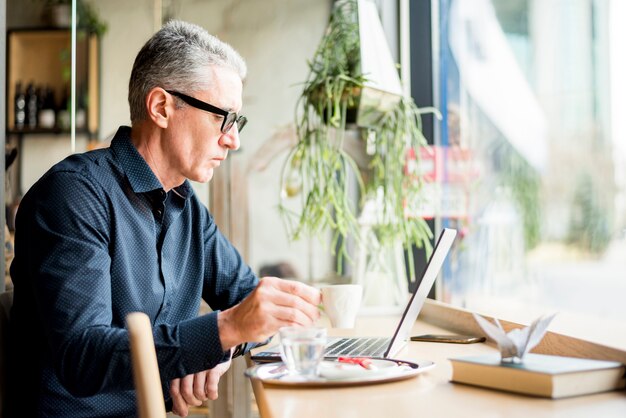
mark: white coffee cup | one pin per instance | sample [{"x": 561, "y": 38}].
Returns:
[{"x": 341, "y": 303}]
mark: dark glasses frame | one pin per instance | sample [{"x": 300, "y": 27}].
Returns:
[{"x": 230, "y": 118}]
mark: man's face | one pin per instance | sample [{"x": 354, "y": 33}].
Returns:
[{"x": 197, "y": 143}]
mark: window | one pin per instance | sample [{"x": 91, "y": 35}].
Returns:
[{"x": 531, "y": 161}]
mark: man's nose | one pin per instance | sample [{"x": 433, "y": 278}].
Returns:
[{"x": 230, "y": 139}]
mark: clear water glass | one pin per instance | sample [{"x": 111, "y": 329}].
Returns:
[{"x": 302, "y": 349}]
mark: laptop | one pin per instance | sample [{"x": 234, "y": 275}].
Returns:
[{"x": 384, "y": 347}]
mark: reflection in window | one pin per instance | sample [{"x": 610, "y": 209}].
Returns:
[{"x": 531, "y": 91}]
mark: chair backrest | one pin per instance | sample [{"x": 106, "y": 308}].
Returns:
[
  {"x": 6, "y": 300},
  {"x": 150, "y": 402}
]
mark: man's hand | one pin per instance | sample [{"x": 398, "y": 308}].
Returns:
[
  {"x": 273, "y": 304},
  {"x": 213, "y": 378},
  {"x": 194, "y": 389}
]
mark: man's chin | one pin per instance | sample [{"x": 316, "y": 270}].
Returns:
[{"x": 203, "y": 177}]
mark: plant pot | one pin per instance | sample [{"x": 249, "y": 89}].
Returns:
[
  {"x": 350, "y": 96},
  {"x": 59, "y": 15}
]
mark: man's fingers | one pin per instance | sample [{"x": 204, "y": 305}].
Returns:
[
  {"x": 213, "y": 378},
  {"x": 306, "y": 292},
  {"x": 198, "y": 386},
  {"x": 290, "y": 317},
  {"x": 186, "y": 390},
  {"x": 179, "y": 406},
  {"x": 289, "y": 294},
  {"x": 211, "y": 384},
  {"x": 297, "y": 306}
]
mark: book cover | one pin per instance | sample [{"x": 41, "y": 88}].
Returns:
[{"x": 540, "y": 375}]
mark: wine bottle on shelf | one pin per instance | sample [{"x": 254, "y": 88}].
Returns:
[
  {"x": 47, "y": 113},
  {"x": 19, "y": 107},
  {"x": 63, "y": 113},
  {"x": 32, "y": 106},
  {"x": 81, "y": 113}
]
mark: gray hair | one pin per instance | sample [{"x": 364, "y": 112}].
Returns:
[{"x": 177, "y": 58}]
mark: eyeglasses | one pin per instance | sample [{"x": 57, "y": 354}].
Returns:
[{"x": 229, "y": 117}]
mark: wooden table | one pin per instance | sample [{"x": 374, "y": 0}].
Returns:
[{"x": 430, "y": 394}]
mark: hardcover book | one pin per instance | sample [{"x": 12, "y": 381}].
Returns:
[{"x": 540, "y": 375}]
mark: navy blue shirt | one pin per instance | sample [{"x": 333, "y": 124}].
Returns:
[{"x": 97, "y": 237}]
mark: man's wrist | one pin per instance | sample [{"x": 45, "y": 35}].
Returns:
[{"x": 227, "y": 332}]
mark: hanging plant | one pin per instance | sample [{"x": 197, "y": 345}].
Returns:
[
  {"x": 396, "y": 185},
  {"x": 325, "y": 176}
]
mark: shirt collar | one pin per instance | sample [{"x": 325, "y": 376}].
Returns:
[{"x": 139, "y": 174}]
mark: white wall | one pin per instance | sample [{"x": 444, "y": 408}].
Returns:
[{"x": 129, "y": 27}]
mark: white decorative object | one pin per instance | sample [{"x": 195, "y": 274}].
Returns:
[
  {"x": 516, "y": 343},
  {"x": 46, "y": 118},
  {"x": 382, "y": 88}
]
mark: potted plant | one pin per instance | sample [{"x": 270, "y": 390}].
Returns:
[
  {"x": 324, "y": 173},
  {"x": 59, "y": 14},
  {"x": 88, "y": 18}
]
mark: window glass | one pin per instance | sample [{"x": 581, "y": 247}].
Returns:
[{"x": 532, "y": 152}]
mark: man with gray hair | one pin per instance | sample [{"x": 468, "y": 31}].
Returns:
[{"x": 118, "y": 230}]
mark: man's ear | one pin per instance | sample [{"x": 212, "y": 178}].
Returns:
[{"x": 159, "y": 105}]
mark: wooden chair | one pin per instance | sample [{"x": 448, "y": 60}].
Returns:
[
  {"x": 6, "y": 300},
  {"x": 150, "y": 403}
]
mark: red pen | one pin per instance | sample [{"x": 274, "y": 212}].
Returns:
[{"x": 361, "y": 361}]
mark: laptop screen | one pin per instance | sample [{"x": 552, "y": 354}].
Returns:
[{"x": 413, "y": 308}]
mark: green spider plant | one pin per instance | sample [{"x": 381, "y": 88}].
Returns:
[{"x": 325, "y": 176}]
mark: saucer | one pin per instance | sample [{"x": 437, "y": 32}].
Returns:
[{"x": 333, "y": 373}]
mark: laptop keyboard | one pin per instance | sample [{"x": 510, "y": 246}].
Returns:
[{"x": 358, "y": 347}]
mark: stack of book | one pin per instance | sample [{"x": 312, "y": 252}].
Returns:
[{"x": 540, "y": 375}]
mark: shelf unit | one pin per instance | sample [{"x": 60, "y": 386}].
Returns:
[{"x": 42, "y": 56}]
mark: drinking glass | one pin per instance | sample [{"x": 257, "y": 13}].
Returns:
[{"x": 302, "y": 349}]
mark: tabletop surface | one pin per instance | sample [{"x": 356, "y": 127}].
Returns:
[{"x": 429, "y": 394}]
